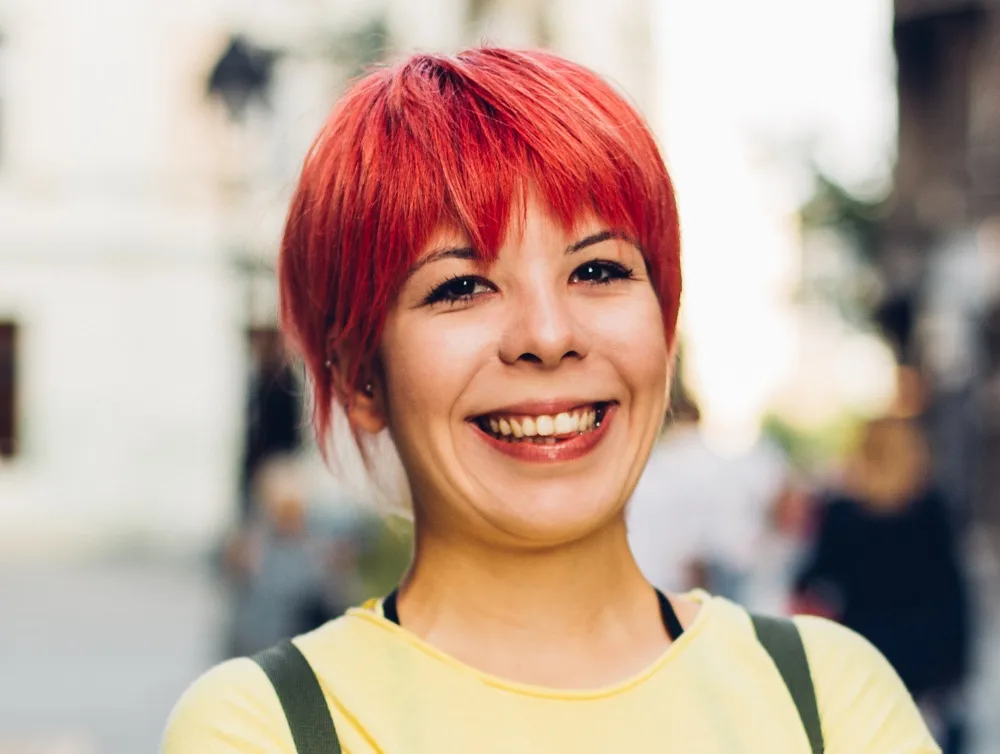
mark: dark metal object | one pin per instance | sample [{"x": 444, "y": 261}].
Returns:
[{"x": 241, "y": 76}]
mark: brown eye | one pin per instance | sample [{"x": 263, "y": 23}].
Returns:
[
  {"x": 458, "y": 290},
  {"x": 600, "y": 272}
]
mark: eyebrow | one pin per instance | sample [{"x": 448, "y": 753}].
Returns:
[
  {"x": 596, "y": 238},
  {"x": 470, "y": 254},
  {"x": 455, "y": 252}
]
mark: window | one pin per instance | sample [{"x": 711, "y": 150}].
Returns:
[{"x": 8, "y": 389}]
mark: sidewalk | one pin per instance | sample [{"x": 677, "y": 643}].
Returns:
[{"x": 94, "y": 656}]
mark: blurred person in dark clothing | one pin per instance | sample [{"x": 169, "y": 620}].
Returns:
[
  {"x": 274, "y": 412},
  {"x": 885, "y": 563}
]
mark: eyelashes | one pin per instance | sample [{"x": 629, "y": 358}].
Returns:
[
  {"x": 463, "y": 289},
  {"x": 602, "y": 272},
  {"x": 459, "y": 289}
]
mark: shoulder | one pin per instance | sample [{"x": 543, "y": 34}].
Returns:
[
  {"x": 836, "y": 511},
  {"x": 230, "y": 709},
  {"x": 835, "y": 502},
  {"x": 233, "y": 708},
  {"x": 863, "y": 704}
]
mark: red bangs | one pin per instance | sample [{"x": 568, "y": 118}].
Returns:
[{"x": 459, "y": 140}]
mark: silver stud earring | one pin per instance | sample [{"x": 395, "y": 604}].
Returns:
[{"x": 369, "y": 389}]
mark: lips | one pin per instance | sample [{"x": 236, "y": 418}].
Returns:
[
  {"x": 542, "y": 428},
  {"x": 562, "y": 435}
]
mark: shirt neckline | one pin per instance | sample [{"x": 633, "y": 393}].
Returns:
[
  {"x": 371, "y": 613},
  {"x": 671, "y": 624}
]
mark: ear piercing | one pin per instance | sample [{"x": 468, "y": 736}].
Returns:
[{"x": 369, "y": 387}]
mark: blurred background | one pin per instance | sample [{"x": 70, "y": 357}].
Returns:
[{"x": 835, "y": 446}]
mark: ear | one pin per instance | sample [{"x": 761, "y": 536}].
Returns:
[
  {"x": 363, "y": 401},
  {"x": 366, "y": 407}
]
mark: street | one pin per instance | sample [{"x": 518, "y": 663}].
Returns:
[{"x": 92, "y": 658}]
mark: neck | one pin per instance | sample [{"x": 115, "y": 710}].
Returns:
[{"x": 530, "y": 614}]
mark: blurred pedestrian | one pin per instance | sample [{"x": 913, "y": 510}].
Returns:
[
  {"x": 669, "y": 514},
  {"x": 286, "y": 578},
  {"x": 885, "y": 563},
  {"x": 698, "y": 517},
  {"x": 274, "y": 410}
]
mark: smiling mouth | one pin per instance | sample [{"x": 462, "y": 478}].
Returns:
[{"x": 544, "y": 429}]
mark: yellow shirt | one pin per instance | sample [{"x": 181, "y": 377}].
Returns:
[{"x": 714, "y": 691}]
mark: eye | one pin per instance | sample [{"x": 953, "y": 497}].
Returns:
[
  {"x": 457, "y": 290},
  {"x": 600, "y": 272}
]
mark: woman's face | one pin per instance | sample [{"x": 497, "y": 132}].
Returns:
[{"x": 524, "y": 396}]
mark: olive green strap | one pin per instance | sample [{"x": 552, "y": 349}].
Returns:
[
  {"x": 301, "y": 698},
  {"x": 780, "y": 637}
]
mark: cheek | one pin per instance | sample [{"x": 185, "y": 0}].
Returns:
[
  {"x": 633, "y": 336},
  {"x": 431, "y": 363}
]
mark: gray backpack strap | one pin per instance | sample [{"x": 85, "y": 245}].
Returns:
[
  {"x": 301, "y": 698},
  {"x": 780, "y": 637}
]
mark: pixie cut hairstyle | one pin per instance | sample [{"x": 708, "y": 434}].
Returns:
[{"x": 455, "y": 140}]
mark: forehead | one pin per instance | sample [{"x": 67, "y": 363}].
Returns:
[{"x": 530, "y": 217}]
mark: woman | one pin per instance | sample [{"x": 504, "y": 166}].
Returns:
[
  {"x": 885, "y": 563},
  {"x": 482, "y": 264}
]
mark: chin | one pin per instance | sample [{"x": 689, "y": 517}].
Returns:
[
  {"x": 547, "y": 502},
  {"x": 549, "y": 515}
]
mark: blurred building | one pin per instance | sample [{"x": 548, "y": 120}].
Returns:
[
  {"x": 940, "y": 250},
  {"x": 142, "y": 191}
]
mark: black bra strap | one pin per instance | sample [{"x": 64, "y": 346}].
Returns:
[
  {"x": 389, "y": 607},
  {"x": 670, "y": 621}
]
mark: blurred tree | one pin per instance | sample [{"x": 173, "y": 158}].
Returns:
[
  {"x": 841, "y": 239},
  {"x": 364, "y": 46},
  {"x": 811, "y": 450},
  {"x": 858, "y": 220},
  {"x": 385, "y": 559}
]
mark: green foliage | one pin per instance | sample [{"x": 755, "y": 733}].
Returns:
[
  {"x": 812, "y": 449},
  {"x": 361, "y": 48},
  {"x": 842, "y": 237},
  {"x": 384, "y": 561},
  {"x": 857, "y": 220}
]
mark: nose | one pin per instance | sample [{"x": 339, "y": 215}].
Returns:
[{"x": 542, "y": 330}]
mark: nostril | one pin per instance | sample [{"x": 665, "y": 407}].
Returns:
[{"x": 532, "y": 358}]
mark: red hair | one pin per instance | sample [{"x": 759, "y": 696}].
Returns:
[{"x": 456, "y": 139}]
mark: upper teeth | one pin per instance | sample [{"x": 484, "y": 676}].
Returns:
[{"x": 545, "y": 425}]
